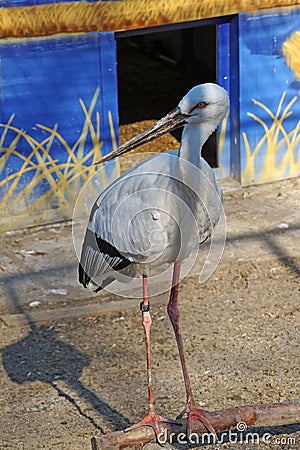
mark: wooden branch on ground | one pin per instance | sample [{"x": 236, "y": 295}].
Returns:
[{"x": 240, "y": 418}]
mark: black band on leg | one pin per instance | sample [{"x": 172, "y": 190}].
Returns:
[{"x": 145, "y": 307}]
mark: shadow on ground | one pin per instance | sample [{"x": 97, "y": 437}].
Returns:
[{"x": 41, "y": 356}]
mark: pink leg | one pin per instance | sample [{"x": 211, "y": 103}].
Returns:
[
  {"x": 152, "y": 419},
  {"x": 173, "y": 311}
]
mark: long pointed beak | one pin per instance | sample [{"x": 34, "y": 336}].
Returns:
[{"x": 172, "y": 120}]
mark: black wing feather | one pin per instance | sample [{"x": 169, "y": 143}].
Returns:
[{"x": 97, "y": 258}]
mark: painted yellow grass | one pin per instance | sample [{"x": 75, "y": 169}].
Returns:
[
  {"x": 83, "y": 16},
  {"x": 64, "y": 178},
  {"x": 221, "y": 144},
  {"x": 274, "y": 140}
]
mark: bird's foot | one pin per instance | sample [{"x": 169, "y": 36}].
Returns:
[
  {"x": 153, "y": 420},
  {"x": 197, "y": 414}
]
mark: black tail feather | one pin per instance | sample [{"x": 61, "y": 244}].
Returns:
[{"x": 83, "y": 276}]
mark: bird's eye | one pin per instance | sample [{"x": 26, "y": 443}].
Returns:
[{"x": 200, "y": 105}]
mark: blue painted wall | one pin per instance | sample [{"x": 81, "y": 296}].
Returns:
[
  {"x": 269, "y": 95},
  {"x": 58, "y": 102},
  {"x": 59, "y": 111}
]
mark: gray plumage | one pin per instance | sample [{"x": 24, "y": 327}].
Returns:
[{"x": 159, "y": 211}]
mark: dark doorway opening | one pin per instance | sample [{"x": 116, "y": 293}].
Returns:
[{"x": 155, "y": 71}]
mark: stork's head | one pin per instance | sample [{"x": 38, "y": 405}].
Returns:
[{"x": 206, "y": 103}]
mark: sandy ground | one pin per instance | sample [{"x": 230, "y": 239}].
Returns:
[{"x": 70, "y": 370}]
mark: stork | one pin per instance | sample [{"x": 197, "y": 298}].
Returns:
[{"x": 139, "y": 222}]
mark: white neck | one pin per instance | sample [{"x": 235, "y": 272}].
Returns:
[{"x": 193, "y": 138}]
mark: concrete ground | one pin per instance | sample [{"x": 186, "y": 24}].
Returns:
[{"x": 73, "y": 363}]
